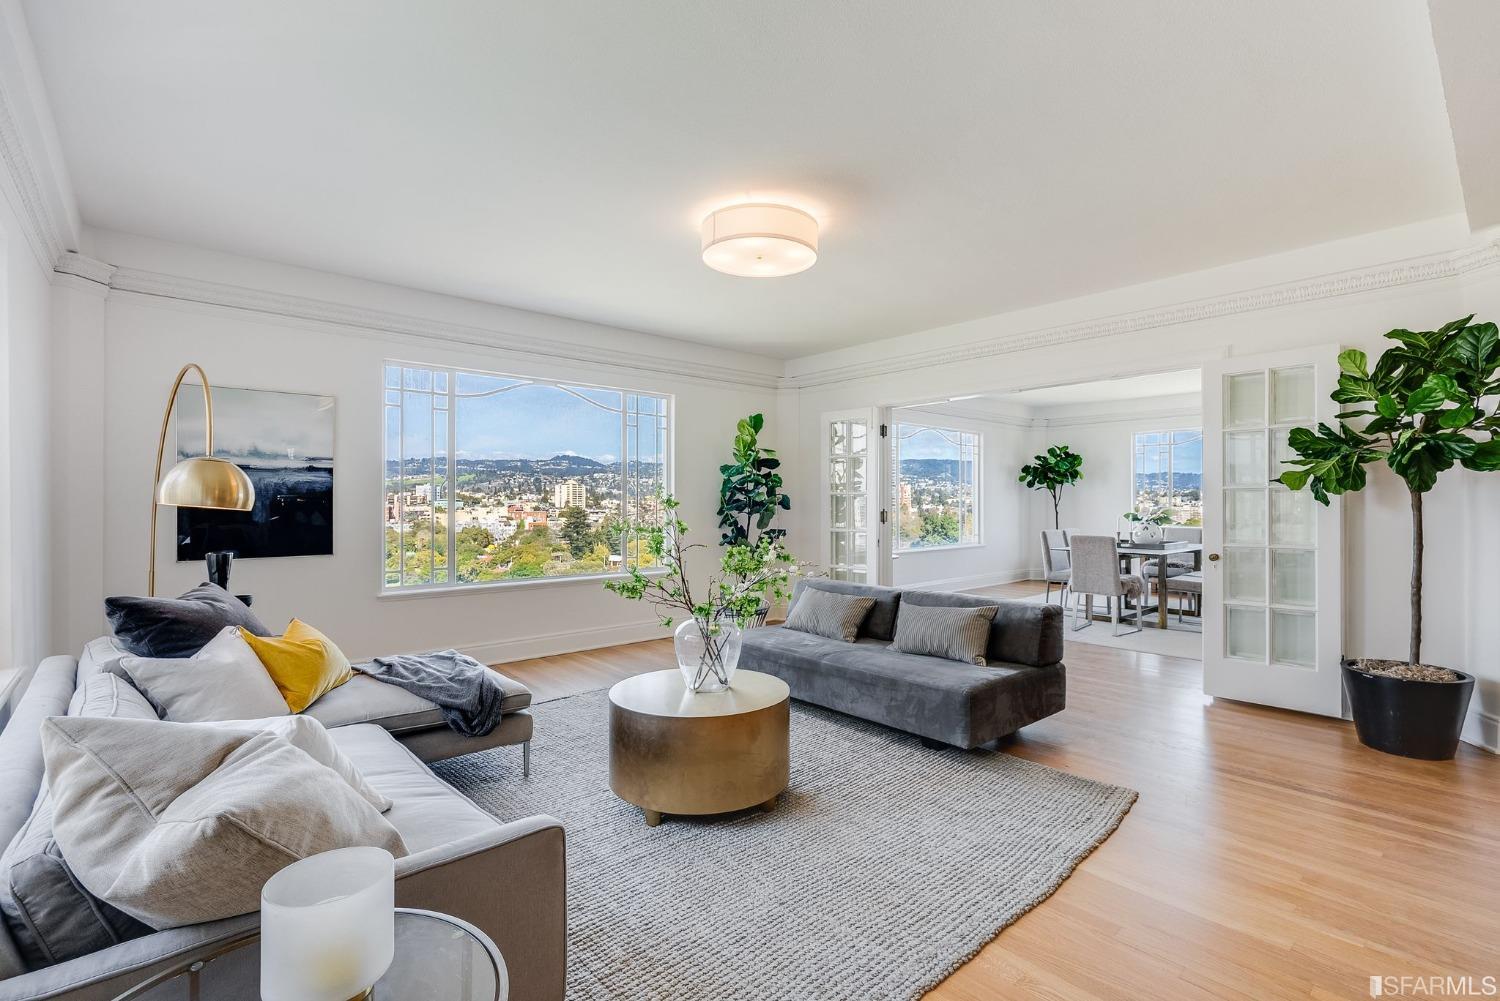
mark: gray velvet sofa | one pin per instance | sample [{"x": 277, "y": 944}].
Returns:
[
  {"x": 942, "y": 701},
  {"x": 505, "y": 878}
]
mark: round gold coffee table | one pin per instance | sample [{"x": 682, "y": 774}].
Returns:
[{"x": 674, "y": 752}]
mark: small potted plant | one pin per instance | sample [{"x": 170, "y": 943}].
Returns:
[
  {"x": 1148, "y": 524},
  {"x": 1420, "y": 411},
  {"x": 1052, "y": 470},
  {"x": 707, "y": 641}
]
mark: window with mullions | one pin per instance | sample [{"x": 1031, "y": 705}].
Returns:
[
  {"x": 937, "y": 487},
  {"x": 491, "y": 478},
  {"x": 1168, "y": 474}
]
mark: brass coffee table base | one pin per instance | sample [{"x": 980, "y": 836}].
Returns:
[{"x": 672, "y": 752}]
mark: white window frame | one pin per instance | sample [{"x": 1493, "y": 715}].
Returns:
[
  {"x": 1171, "y": 470},
  {"x": 977, "y": 496},
  {"x": 666, "y": 421}
]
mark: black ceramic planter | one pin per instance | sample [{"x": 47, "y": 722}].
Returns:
[{"x": 1415, "y": 719}]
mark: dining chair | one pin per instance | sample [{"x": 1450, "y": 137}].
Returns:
[
  {"x": 1187, "y": 587},
  {"x": 1057, "y": 567},
  {"x": 1096, "y": 571}
]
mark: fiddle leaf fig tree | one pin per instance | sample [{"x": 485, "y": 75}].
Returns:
[
  {"x": 1054, "y": 469},
  {"x": 1420, "y": 410},
  {"x": 750, "y": 494}
]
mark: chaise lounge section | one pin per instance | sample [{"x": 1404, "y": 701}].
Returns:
[{"x": 945, "y": 701}]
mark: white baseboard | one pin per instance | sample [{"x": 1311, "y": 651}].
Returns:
[
  {"x": 1482, "y": 729},
  {"x": 570, "y": 641},
  {"x": 972, "y": 581}
]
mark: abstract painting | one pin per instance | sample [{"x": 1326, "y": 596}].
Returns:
[{"x": 284, "y": 442}]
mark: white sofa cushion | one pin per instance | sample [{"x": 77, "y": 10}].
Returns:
[
  {"x": 195, "y": 841},
  {"x": 224, "y": 680},
  {"x": 310, "y": 736}
]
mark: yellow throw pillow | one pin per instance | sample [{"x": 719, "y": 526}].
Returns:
[{"x": 305, "y": 664}]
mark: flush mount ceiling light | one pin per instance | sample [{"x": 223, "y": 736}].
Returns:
[{"x": 760, "y": 240}]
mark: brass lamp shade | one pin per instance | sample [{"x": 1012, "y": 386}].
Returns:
[
  {"x": 200, "y": 481},
  {"x": 207, "y": 481}
]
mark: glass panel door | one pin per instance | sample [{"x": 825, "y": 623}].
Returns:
[
  {"x": 850, "y": 481},
  {"x": 1272, "y": 580}
]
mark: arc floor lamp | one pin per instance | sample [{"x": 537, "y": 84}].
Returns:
[{"x": 199, "y": 480}]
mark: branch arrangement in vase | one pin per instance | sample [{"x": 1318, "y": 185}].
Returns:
[{"x": 707, "y": 641}]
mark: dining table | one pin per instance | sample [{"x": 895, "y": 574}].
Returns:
[{"x": 1131, "y": 551}]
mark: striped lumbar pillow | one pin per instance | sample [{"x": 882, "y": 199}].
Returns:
[
  {"x": 950, "y": 633},
  {"x": 827, "y": 613}
]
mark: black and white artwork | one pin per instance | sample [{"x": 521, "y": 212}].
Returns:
[{"x": 284, "y": 442}]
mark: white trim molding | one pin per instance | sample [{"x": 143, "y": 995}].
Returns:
[
  {"x": 568, "y": 641},
  {"x": 1413, "y": 271},
  {"x": 363, "y": 321},
  {"x": 970, "y": 582},
  {"x": 1482, "y": 729},
  {"x": 34, "y": 179}
]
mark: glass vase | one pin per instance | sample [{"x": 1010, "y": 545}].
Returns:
[{"x": 708, "y": 651}]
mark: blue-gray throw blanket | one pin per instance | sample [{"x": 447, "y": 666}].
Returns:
[{"x": 468, "y": 693}]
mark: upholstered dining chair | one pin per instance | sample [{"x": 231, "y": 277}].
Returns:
[
  {"x": 1096, "y": 571},
  {"x": 1057, "y": 567},
  {"x": 1179, "y": 563}
]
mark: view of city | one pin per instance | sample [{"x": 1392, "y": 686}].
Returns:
[
  {"x": 935, "y": 487},
  {"x": 1169, "y": 474},
  {"x": 513, "y": 518},
  {"x": 538, "y": 486}
]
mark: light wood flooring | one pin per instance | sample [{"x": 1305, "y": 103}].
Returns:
[{"x": 1269, "y": 856}]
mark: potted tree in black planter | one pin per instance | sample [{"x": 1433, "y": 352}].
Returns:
[
  {"x": 1420, "y": 410},
  {"x": 750, "y": 494}
]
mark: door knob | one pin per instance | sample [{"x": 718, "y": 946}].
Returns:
[{"x": 1213, "y": 557}]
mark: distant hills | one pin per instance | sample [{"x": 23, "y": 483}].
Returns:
[
  {"x": 558, "y": 465},
  {"x": 931, "y": 469}
]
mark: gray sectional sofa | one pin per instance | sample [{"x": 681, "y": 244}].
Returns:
[
  {"x": 505, "y": 878},
  {"x": 942, "y": 701}
]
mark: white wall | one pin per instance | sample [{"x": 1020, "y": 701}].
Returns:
[
  {"x": 25, "y": 469},
  {"x": 145, "y": 338},
  {"x": 1350, "y": 292},
  {"x": 1103, "y": 433}
]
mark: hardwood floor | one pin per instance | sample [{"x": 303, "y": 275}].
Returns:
[{"x": 1270, "y": 854}]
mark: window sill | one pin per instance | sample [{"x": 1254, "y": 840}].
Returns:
[
  {"x": 523, "y": 583},
  {"x": 936, "y": 549}
]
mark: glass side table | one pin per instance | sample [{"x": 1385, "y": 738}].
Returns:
[{"x": 438, "y": 958}]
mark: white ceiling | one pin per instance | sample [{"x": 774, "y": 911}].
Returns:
[
  {"x": 1140, "y": 387},
  {"x": 965, "y": 158}
]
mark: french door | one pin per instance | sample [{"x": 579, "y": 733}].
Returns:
[
  {"x": 1273, "y": 579},
  {"x": 851, "y": 538}
]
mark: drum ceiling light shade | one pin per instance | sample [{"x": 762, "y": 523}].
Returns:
[{"x": 760, "y": 240}]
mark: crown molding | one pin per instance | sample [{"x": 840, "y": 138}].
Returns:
[
  {"x": 363, "y": 321},
  {"x": 1415, "y": 271},
  {"x": 35, "y": 185},
  {"x": 87, "y": 268},
  {"x": 1123, "y": 417}
]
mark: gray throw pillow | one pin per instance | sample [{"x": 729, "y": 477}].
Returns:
[
  {"x": 224, "y": 680},
  {"x": 181, "y": 626},
  {"x": 951, "y": 633},
  {"x": 825, "y": 613},
  {"x": 195, "y": 840},
  {"x": 51, "y": 917}
]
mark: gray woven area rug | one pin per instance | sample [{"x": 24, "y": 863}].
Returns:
[{"x": 885, "y": 866}]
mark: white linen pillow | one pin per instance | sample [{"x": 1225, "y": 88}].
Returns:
[
  {"x": 178, "y": 824},
  {"x": 224, "y": 680},
  {"x": 309, "y": 735}
]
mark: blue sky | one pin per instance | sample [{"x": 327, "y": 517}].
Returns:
[
  {"x": 522, "y": 422},
  {"x": 1186, "y": 457}
]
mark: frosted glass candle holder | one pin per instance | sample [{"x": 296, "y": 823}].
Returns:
[{"x": 328, "y": 926}]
